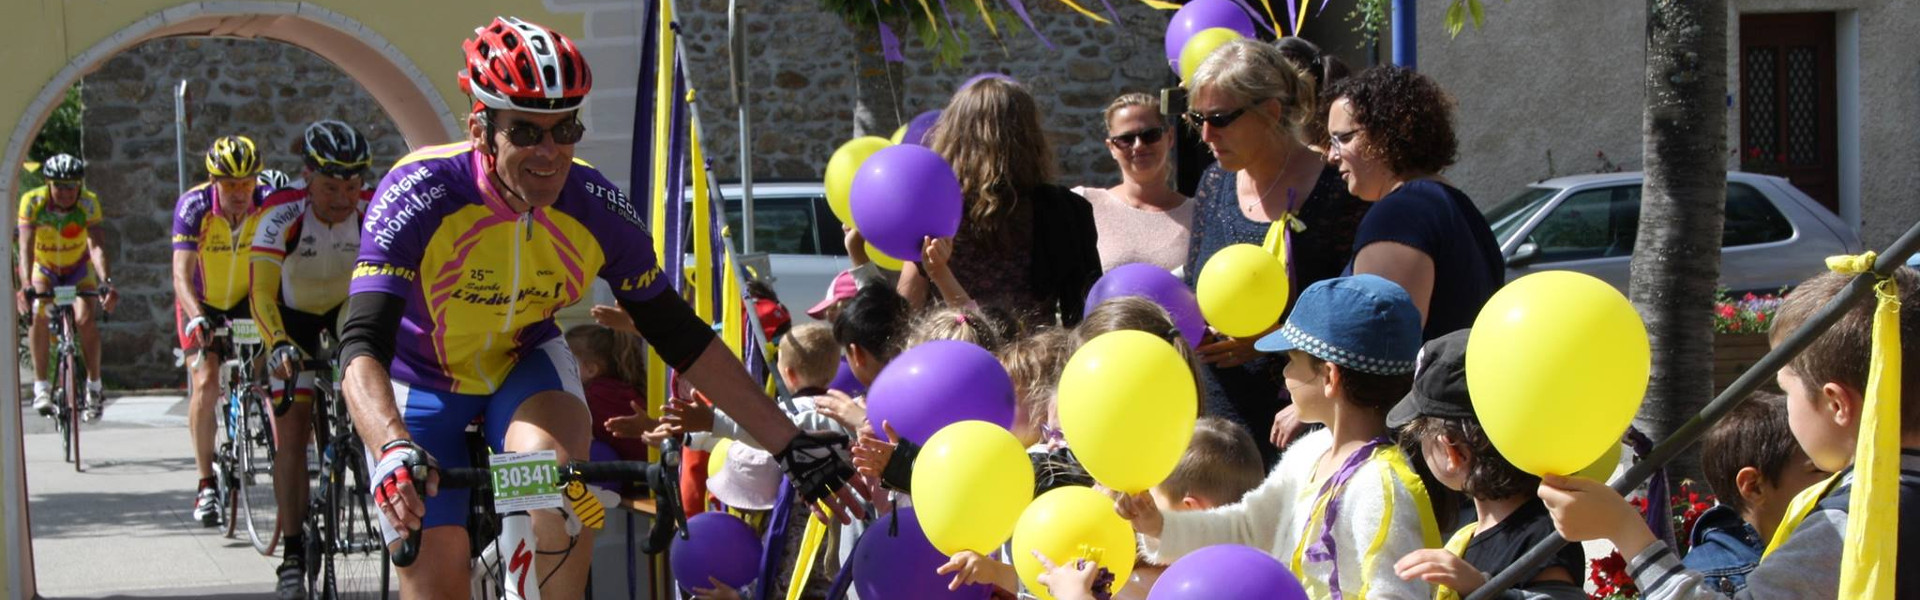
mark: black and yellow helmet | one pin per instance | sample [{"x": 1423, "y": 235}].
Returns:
[
  {"x": 233, "y": 156},
  {"x": 336, "y": 149}
]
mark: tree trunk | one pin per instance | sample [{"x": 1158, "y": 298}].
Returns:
[
  {"x": 879, "y": 86},
  {"x": 1676, "y": 261}
]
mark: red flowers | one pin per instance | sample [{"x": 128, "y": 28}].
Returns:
[
  {"x": 1750, "y": 314},
  {"x": 1610, "y": 579}
]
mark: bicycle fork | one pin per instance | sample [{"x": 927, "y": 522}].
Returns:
[{"x": 517, "y": 539}]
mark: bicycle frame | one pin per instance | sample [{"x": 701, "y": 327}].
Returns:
[
  {"x": 519, "y": 581},
  {"x": 66, "y": 363}
]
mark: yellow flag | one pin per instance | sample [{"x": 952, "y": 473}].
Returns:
[{"x": 809, "y": 554}]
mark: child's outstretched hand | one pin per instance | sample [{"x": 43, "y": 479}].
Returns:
[
  {"x": 1142, "y": 512},
  {"x": 1440, "y": 567},
  {"x": 613, "y": 317},
  {"x": 1071, "y": 581},
  {"x": 856, "y": 246},
  {"x": 636, "y": 425},
  {"x": 843, "y": 409},
  {"x": 659, "y": 435},
  {"x": 688, "y": 415},
  {"x": 871, "y": 454},
  {"x": 969, "y": 567},
  {"x": 719, "y": 591},
  {"x": 1584, "y": 509}
]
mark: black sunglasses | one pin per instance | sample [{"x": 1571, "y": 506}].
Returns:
[
  {"x": 1149, "y": 136},
  {"x": 65, "y": 185},
  {"x": 525, "y": 135},
  {"x": 1216, "y": 120}
]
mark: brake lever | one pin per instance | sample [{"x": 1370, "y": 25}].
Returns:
[{"x": 669, "y": 518}]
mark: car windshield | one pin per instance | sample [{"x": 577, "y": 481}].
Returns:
[{"x": 1507, "y": 216}]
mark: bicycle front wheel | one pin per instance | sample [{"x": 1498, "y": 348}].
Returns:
[
  {"x": 358, "y": 568},
  {"x": 255, "y": 473},
  {"x": 71, "y": 386},
  {"x": 227, "y": 460}
]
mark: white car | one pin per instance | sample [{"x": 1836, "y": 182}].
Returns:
[
  {"x": 796, "y": 237},
  {"x": 1775, "y": 235}
]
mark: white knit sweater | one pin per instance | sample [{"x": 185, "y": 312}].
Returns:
[{"x": 1275, "y": 517}]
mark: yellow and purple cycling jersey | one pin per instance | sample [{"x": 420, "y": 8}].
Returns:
[
  {"x": 223, "y": 280},
  {"x": 60, "y": 236},
  {"x": 482, "y": 282}
]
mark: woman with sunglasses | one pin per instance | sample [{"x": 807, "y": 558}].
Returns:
[
  {"x": 1256, "y": 110},
  {"x": 1142, "y": 220},
  {"x": 1390, "y": 133}
]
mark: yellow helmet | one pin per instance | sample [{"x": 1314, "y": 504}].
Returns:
[{"x": 233, "y": 156}]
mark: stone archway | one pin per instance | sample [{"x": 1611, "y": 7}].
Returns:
[{"x": 418, "y": 108}]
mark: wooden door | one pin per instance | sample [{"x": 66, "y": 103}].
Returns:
[{"x": 1787, "y": 108}]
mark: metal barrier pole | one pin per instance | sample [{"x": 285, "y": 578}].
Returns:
[{"x": 1857, "y": 290}]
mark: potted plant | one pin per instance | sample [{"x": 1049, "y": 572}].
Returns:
[{"x": 1740, "y": 335}]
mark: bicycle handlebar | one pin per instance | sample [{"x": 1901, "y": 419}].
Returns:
[{"x": 655, "y": 475}]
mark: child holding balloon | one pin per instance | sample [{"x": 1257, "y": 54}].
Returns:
[
  {"x": 1437, "y": 422},
  {"x": 1822, "y": 549},
  {"x": 1344, "y": 501}
]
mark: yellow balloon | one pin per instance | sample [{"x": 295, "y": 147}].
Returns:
[
  {"x": 1557, "y": 364},
  {"x": 1202, "y": 45},
  {"x": 840, "y": 169},
  {"x": 718, "y": 458},
  {"x": 1127, "y": 403},
  {"x": 881, "y": 259},
  {"x": 1242, "y": 290},
  {"x": 970, "y": 483},
  {"x": 1602, "y": 469},
  {"x": 899, "y": 134},
  {"x": 1067, "y": 524}
]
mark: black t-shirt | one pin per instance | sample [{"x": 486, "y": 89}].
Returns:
[
  {"x": 1503, "y": 544},
  {"x": 1442, "y": 222}
]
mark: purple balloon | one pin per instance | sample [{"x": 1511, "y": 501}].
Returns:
[
  {"x": 937, "y": 384},
  {"x": 902, "y": 195},
  {"x": 987, "y": 75},
  {"x": 1227, "y": 572},
  {"x": 1156, "y": 284},
  {"x": 846, "y": 382},
  {"x": 1200, "y": 15},
  {"x": 718, "y": 545},
  {"x": 920, "y": 127},
  {"x": 902, "y": 567}
]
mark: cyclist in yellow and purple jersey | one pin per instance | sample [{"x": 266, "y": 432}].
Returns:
[
  {"x": 468, "y": 251},
  {"x": 212, "y": 232},
  {"x": 60, "y": 246}
]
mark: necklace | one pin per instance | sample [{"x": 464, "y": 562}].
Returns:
[{"x": 1248, "y": 207}]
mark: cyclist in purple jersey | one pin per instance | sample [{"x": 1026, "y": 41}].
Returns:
[{"x": 467, "y": 252}]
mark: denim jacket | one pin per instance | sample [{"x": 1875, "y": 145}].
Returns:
[{"x": 1724, "y": 549}]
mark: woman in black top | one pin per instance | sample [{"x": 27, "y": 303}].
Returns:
[
  {"x": 1256, "y": 110},
  {"x": 1390, "y": 132},
  {"x": 1025, "y": 246}
]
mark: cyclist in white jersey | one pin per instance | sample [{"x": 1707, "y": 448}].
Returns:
[{"x": 303, "y": 254}]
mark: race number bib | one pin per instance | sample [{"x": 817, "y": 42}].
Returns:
[
  {"x": 526, "y": 481},
  {"x": 245, "y": 331}
]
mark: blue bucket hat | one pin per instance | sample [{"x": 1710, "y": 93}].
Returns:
[{"x": 1364, "y": 322}]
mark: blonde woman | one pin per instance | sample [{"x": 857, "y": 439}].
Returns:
[
  {"x": 1257, "y": 111},
  {"x": 1142, "y": 220},
  {"x": 1025, "y": 246}
]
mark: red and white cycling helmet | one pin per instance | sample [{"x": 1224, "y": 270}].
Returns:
[{"x": 517, "y": 65}]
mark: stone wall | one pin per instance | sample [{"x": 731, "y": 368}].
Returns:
[
  {"x": 802, "y": 65},
  {"x": 267, "y": 91}
]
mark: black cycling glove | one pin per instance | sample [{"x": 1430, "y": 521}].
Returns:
[{"x": 818, "y": 464}]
